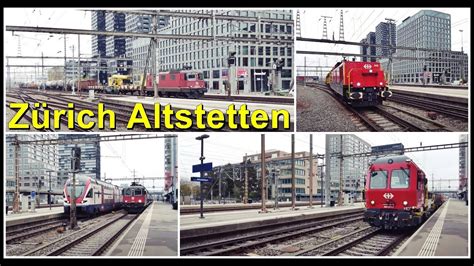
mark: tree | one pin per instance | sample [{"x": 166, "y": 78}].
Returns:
[{"x": 185, "y": 189}]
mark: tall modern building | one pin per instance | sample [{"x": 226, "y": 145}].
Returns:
[
  {"x": 253, "y": 60},
  {"x": 98, "y": 41},
  {"x": 99, "y": 45},
  {"x": 367, "y": 50},
  {"x": 34, "y": 162},
  {"x": 385, "y": 34},
  {"x": 430, "y": 30},
  {"x": 135, "y": 23},
  {"x": 463, "y": 165},
  {"x": 90, "y": 157},
  {"x": 281, "y": 161},
  {"x": 351, "y": 170},
  {"x": 137, "y": 48},
  {"x": 171, "y": 159}
]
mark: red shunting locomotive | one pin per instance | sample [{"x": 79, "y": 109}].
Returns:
[
  {"x": 359, "y": 83},
  {"x": 396, "y": 194}
]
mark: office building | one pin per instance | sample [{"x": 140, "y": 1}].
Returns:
[
  {"x": 253, "y": 60},
  {"x": 368, "y": 51},
  {"x": 430, "y": 30},
  {"x": 37, "y": 164},
  {"x": 90, "y": 156},
  {"x": 351, "y": 170},
  {"x": 279, "y": 162},
  {"x": 385, "y": 34}
]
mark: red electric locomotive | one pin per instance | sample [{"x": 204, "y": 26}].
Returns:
[
  {"x": 135, "y": 198},
  {"x": 359, "y": 83},
  {"x": 178, "y": 83},
  {"x": 396, "y": 193}
]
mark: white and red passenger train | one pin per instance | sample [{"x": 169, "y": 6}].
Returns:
[{"x": 92, "y": 196}]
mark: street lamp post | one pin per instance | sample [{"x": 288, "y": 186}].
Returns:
[{"x": 201, "y": 138}]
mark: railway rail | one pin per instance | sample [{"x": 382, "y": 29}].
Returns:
[
  {"x": 382, "y": 118},
  {"x": 241, "y": 240},
  {"x": 367, "y": 241},
  {"x": 212, "y": 97},
  {"x": 445, "y": 107},
  {"x": 90, "y": 240}
]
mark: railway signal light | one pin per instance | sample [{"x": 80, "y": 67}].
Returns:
[
  {"x": 231, "y": 59},
  {"x": 76, "y": 159}
]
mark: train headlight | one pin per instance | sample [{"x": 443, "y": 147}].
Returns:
[
  {"x": 139, "y": 201},
  {"x": 405, "y": 203},
  {"x": 372, "y": 202},
  {"x": 126, "y": 201},
  {"x": 358, "y": 84},
  {"x": 381, "y": 83}
]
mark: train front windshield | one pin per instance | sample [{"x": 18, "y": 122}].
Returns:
[{"x": 80, "y": 186}]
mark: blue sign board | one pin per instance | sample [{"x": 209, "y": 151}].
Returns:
[
  {"x": 205, "y": 167},
  {"x": 201, "y": 179},
  {"x": 33, "y": 194}
]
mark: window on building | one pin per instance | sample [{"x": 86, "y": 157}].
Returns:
[
  {"x": 245, "y": 61},
  {"x": 268, "y": 51},
  {"x": 260, "y": 62},
  {"x": 215, "y": 74}
]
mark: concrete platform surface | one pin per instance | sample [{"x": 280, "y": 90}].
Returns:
[
  {"x": 154, "y": 233},
  {"x": 445, "y": 234},
  {"x": 226, "y": 218},
  {"x": 431, "y": 90},
  {"x": 39, "y": 214}
]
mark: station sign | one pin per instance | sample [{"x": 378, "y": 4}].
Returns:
[
  {"x": 396, "y": 147},
  {"x": 205, "y": 167},
  {"x": 201, "y": 179}
]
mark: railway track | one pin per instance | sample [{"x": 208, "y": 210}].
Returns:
[
  {"x": 241, "y": 240},
  {"x": 90, "y": 240},
  {"x": 384, "y": 118},
  {"x": 367, "y": 241},
  {"x": 445, "y": 107},
  {"x": 122, "y": 110},
  {"x": 17, "y": 233},
  {"x": 211, "y": 97}
]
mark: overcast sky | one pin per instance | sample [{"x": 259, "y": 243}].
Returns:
[
  {"x": 358, "y": 22},
  {"x": 120, "y": 158},
  {"x": 223, "y": 148}
]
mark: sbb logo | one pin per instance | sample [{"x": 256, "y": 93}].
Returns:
[
  {"x": 367, "y": 66},
  {"x": 388, "y": 196}
]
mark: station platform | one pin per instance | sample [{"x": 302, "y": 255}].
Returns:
[
  {"x": 154, "y": 233},
  {"x": 445, "y": 233},
  {"x": 40, "y": 214},
  {"x": 214, "y": 207},
  {"x": 446, "y": 92},
  {"x": 191, "y": 225}
]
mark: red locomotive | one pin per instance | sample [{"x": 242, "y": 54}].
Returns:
[
  {"x": 135, "y": 198},
  {"x": 359, "y": 83},
  {"x": 396, "y": 194},
  {"x": 178, "y": 83}
]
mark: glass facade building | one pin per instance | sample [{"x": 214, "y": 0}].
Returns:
[
  {"x": 430, "y": 30},
  {"x": 253, "y": 60}
]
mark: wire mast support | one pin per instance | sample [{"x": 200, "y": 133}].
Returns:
[
  {"x": 325, "y": 26},
  {"x": 154, "y": 41}
]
